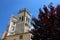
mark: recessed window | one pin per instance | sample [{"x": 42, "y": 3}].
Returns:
[
  {"x": 21, "y": 36},
  {"x": 26, "y": 24},
  {"x": 13, "y": 23},
  {"x": 22, "y": 18},
  {"x": 28, "y": 19}
]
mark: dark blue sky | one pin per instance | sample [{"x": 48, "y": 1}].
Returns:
[{"x": 9, "y": 7}]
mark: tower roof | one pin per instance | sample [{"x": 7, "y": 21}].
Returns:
[{"x": 24, "y": 10}]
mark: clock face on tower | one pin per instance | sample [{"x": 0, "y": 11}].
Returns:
[{"x": 12, "y": 29}]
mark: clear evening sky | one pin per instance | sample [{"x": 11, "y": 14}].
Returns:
[{"x": 9, "y": 7}]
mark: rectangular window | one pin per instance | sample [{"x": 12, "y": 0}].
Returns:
[
  {"x": 13, "y": 23},
  {"x": 26, "y": 24},
  {"x": 21, "y": 36},
  {"x": 28, "y": 19},
  {"x": 22, "y": 18}
]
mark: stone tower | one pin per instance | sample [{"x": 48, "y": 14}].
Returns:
[
  {"x": 24, "y": 21},
  {"x": 12, "y": 26},
  {"x": 18, "y": 28}
]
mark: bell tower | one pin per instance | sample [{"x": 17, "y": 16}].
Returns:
[
  {"x": 24, "y": 21},
  {"x": 18, "y": 27},
  {"x": 12, "y": 25},
  {"x": 19, "y": 24}
]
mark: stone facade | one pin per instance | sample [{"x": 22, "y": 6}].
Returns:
[
  {"x": 22, "y": 36},
  {"x": 18, "y": 28}
]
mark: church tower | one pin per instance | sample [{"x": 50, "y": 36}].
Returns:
[
  {"x": 19, "y": 24},
  {"x": 24, "y": 21},
  {"x": 18, "y": 28},
  {"x": 12, "y": 25}
]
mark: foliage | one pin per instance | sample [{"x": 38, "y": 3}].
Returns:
[
  {"x": 26, "y": 24},
  {"x": 47, "y": 26}
]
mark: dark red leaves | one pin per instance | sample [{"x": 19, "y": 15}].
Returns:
[{"x": 47, "y": 26}]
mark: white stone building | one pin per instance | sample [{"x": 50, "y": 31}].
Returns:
[{"x": 18, "y": 28}]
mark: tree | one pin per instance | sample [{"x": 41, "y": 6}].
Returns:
[{"x": 47, "y": 25}]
